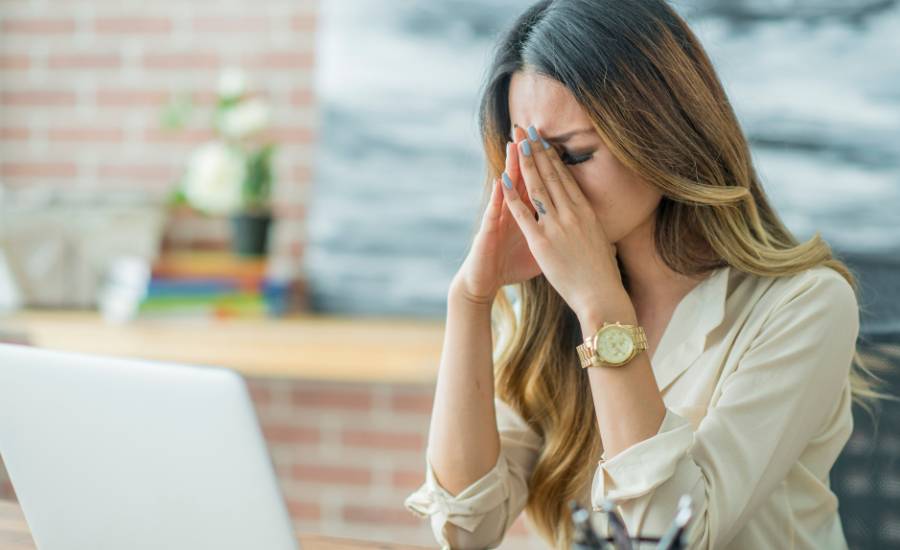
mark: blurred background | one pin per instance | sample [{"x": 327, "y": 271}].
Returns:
[{"x": 287, "y": 188}]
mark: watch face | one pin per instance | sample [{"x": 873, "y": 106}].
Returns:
[{"x": 614, "y": 344}]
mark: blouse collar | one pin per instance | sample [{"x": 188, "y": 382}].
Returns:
[{"x": 698, "y": 313}]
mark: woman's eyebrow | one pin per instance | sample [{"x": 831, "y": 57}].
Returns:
[{"x": 561, "y": 138}]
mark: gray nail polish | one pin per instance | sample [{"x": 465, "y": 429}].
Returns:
[
  {"x": 506, "y": 181},
  {"x": 526, "y": 148},
  {"x": 544, "y": 142},
  {"x": 532, "y": 133}
]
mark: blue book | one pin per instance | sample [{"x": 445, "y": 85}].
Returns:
[{"x": 190, "y": 287}]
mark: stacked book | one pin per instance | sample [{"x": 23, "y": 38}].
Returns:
[{"x": 211, "y": 284}]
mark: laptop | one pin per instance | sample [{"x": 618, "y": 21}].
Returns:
[{"x": 112, "y": 453}]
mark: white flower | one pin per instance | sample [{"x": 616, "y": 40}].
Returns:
[
  {"x": 232, "y": 83},
  {"x": 215, "y": 177},
  {"x": 245, "y": 119}
]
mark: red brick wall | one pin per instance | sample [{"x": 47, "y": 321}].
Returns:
[
  {"x": 347, "y": 455},
  {"x": 82, "y": 84}
]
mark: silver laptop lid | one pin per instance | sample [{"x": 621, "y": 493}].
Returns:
[{"x": 122, "y": 453}]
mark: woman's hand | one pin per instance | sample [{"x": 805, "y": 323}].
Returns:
[
  {"x": 499, "y": 254},
  {"x": 567, "y": 240}
]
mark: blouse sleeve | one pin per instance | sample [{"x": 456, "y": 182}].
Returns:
[
  {"x": 479, "y": 515},
  {"x": 781, "y": 394}
]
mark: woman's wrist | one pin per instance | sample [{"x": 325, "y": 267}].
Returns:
[{"x": 460, "y": 293}]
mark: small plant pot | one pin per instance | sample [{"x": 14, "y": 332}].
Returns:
[{"x": 250, "y": 233}]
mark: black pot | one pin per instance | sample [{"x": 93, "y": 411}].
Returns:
[{"x": 250, "y": 233}]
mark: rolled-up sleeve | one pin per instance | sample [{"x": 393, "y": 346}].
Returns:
[
  {"x": 780, "y": 395},
  {"x": 479, "y": 515}
]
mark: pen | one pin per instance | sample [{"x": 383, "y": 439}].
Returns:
[
  {"x": 585, "y": 536},
  {"x": 621, "y": 540}
]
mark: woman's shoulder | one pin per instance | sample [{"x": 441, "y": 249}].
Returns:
[
  {"x": 819, "y": 281},
  {"x": 820, "y": 288}
]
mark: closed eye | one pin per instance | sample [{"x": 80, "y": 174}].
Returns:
[{"x": 575, "y": 159}]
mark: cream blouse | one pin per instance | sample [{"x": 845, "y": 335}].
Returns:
[{"x": 754, "y": 375}]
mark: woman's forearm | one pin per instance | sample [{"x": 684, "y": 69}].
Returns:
[
  {"x": 463, "y": 442},
  {"x": 627, "y": 400}
]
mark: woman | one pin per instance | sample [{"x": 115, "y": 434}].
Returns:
[{"x": 632, "y": 198}]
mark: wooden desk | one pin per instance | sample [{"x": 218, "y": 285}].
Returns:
[
  {"x": 15, "y": 535},
  {"x": 316, "y": 347}
]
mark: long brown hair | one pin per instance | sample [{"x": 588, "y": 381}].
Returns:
[{"x": 656, "y": 101}]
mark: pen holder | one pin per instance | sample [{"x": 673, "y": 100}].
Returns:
[{"x": 587, "y": 538}]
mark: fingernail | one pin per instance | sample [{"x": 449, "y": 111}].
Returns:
[
  {"x": 526, "y": 147},
  {"x": 508, "y": 148},
  {"x": 506, "y": 181},
  {"x": 532, "y": 133}
]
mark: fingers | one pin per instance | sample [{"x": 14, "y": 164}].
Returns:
[
  {"x": 535, "y": 181},
  {"x": 567, "y": 181},
  {"x": 492, "y": 211},
  {"x": 512, "y": 167},
  {"x": 521, "y": 213},
  {"x": 555, "y": 177},
  {"x": 512, "y": 161},
  {"x": 519, "y": 134}
]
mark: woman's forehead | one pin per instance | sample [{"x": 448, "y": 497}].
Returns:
[{"x": 538, "y": 100}]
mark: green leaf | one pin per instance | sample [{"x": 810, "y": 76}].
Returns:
[
  {"x": 257, "y": 188},
  {"x": 176, "y": 196},
  {"x": 176, "y": 111}
]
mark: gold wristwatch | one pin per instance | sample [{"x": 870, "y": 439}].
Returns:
[{"x": 613, "y": 345}]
